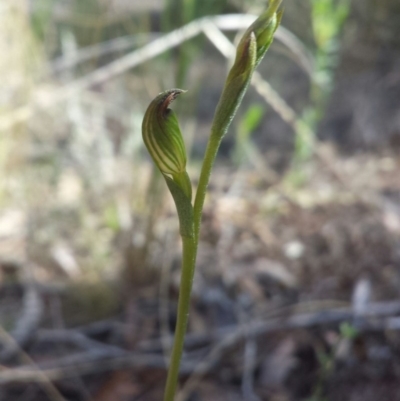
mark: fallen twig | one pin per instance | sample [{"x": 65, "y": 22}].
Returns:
[
  {"x": 378, "y": 316},
  {"x": 27, "y": 323}
]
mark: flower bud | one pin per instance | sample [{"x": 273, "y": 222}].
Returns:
[
  {"x": 264, "y": 28},
  {"x": 235, "y": 86},
  {"x": 163, "y": 139},
  {"x": 250, "y": 51}
]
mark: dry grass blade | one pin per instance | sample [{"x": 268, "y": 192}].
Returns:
[
  {"x": 45, "y": 381},
  {"x": 227, "y": 49},
  {"x": 42, "y": 99},
  {"x": 26, "y": 324}
]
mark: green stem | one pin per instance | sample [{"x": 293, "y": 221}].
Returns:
[
  {"x": 208, "y": 162},
  {"x": 190, "y": 245},
  {"x": 222, "y": 120},
  {"x": 188, "y": 265},
  {"x": 189, "y": 254}
]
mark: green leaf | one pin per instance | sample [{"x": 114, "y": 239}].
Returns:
[
  {"x": 347, "y": 330},
  {"x": 250, "y": 121},
  {"x": 184, "y": 208}
]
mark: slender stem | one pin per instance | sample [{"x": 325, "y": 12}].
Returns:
[
  {"x": 188, "y": 265},
  {"x": 222, "y": 120},
  {"x": 190, "y": 245},
  {"x": 208, "y": 162}
]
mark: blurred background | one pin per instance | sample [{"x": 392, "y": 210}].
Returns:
[{"x": 296, "y": 293}]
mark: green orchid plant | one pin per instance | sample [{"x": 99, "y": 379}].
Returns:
[{"x": 163, "y": 139}]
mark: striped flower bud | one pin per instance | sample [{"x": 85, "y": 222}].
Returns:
[{"x": 163, "y": 139}]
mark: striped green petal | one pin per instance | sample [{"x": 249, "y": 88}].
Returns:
[{"x": 163, "y": 139}]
